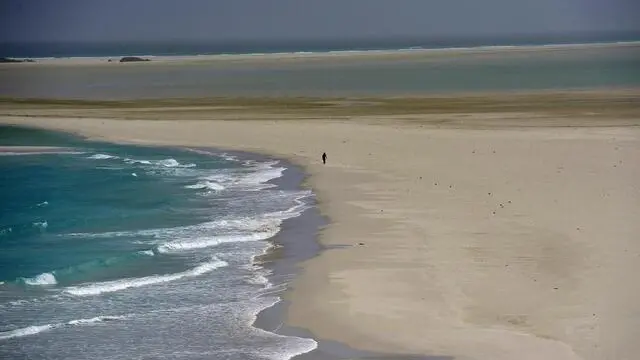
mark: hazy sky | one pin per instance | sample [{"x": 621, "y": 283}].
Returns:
[{"x": 119, "y": 20}]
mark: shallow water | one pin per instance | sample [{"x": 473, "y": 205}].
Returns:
[
  {"x": 118, "y": 252},
  {"x": 447, "y": 72}
]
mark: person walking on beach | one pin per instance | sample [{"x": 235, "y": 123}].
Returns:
[{"x": 324, "y": 157}]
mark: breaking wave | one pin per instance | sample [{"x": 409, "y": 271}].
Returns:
[
  {"x": 194, "y": 244},
  {"x": 118, "y": 285},
  {"x": 80, "y": 270},
  {"x": 40, "y": 280},
  {"x": 102, "y": 157},
  {"x": 41, "y": 224},
  {"x": 167, "y": 163},
  {"x": 36, "y": 329},
  {"x": 209, "y": 185}
]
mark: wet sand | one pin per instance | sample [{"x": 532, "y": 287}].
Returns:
[
  {"x": 508, "y": 233},
  {"x": 26, "y": 150}
]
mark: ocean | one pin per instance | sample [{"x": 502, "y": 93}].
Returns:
[
  {"x": 120, "y": 252},
  {"x": 435, "y": 72},
  {"x": 179, "y": 48}
]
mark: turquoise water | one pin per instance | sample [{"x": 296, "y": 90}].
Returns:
[{"x": 113, "y": 251}]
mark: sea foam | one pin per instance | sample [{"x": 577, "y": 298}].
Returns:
[
  {"x": 166, "y": 163},
  {"x": 210, "y": 185},
  {"x": 118, "y": 285},
  {"x": 40, "y": 280},
  {"x": 174, "y": 163},
  {"x": 36, "y": 329},
  {"x": 231, "y": 226},
  {"x": 30, "y": 330},
  {"x": 201, "y": 243},
  {"x": 102, "y": 157},
  {"x": 41, "y": 224},
  {"x": 94, "y": 320}
]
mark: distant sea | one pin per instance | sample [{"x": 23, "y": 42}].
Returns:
[
  {"x": 180, "y": 48},
  {"x": 446, "y": 72},
  {"x": 122, "y": 252}
]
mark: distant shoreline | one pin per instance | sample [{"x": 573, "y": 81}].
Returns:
[{"x": 413, "y": 52}]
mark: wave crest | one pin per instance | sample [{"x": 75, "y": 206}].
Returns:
[
  {"x": 210, "y": 185},
  {"x": 201, "y": 243},
  {"x": 41, "y": 224},
  {"x": 40, "y": 280},
  {"x": 93, "y": 320},
  {"x": 36, "y": 329},
  {"x": 118, "y": 285},
  {"x": 29, "y": 330},
  {"x": 102, "y": 157},
  {"x": 167, "y": 163}
]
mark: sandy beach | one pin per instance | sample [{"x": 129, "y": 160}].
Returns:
[{"x": 491, "y": 227}]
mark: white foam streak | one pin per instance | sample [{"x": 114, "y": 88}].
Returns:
[
  {"x": 174, "y": 163},
  {"x": 235, "y": 225},
  {"x": 40, "y": 280},
  {"x": 260, "y": 178},
  {"x": 201, "y": 243},
  {"x": 210, "y": 185},
  {"x": 97, "y": 319},
  {"x": 36, "y": 329},
  {"x": 132, "y": 161},
  {"x": 146, "y": 252},
  {"x": 255, "y": 176},
  {"x": 30, "y": 330},
  {"x": 288, "y": 351},
  {"x": 166, "y": 163},
  {"x": 102, "y": 157},
  {"x": 41, "y": 224},
  {"x": 118, "y": 285}
]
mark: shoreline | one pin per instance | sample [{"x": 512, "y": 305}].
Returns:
[
  {"x": 294, "y": 243},
  {"x": 281, "y": 266},
  {"x": 394, "y": 54},
  {"x": 284, "y": 258},
  {"x": 436, "y": 261}
]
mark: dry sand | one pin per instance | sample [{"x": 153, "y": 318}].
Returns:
[{"x": 481, "y": 242}]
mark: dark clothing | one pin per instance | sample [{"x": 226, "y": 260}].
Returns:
[{"x": 324, "y": 158}]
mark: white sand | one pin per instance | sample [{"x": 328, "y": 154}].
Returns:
[{"x": 518, "y": 243}]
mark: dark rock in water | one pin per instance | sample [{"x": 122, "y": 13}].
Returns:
[
  {"x": 133, "y": 59},
  {"x": 6, "y": 60}
]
